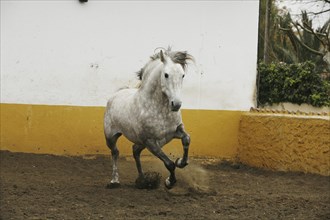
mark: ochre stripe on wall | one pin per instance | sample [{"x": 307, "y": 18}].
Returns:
[
  {"x": 76, "y": 130},
  {"x": 285, "y": 142}
]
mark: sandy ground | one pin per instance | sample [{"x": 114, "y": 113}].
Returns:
[{"x": 56, "y": 187}]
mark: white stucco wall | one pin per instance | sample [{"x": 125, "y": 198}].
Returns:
[{"x": 67, "y": 53}]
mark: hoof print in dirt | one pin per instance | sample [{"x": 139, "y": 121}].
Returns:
[
  {"x": 150, "y": 180},
  {"x": 113, "y": 185}
]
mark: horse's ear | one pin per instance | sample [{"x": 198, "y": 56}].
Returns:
[{"x": 161, "y": 54}]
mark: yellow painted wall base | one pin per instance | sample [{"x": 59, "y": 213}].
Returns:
[
  {"x": 285, "y": 143},
  {"x": 72, "y": 130},
  {"x": 272, "y": 141}
]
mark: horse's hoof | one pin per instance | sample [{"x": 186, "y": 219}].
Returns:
[
  {"x": 113, "y": 185},
  {"x": 180, "y": 164},
  {"x": 169, "y": 184}
]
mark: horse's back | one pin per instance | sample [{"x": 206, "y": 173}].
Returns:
[{"x": 121, "y": 98}]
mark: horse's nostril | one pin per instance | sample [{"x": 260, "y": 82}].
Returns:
[{"x": 172, "y": 103}]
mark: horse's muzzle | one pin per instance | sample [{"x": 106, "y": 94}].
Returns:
[{"x": 175, "y": 106}]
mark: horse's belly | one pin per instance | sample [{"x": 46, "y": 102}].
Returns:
[{"x": 140, "y": 131}]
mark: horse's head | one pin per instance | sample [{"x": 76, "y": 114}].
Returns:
[
  {"x": 172, "y": 75},
  {"x": 171, "y": 66}
]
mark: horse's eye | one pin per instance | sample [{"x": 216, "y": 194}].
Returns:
[
  {"x": 183, "y": 76},
  {"x": 166, "y": 75}
]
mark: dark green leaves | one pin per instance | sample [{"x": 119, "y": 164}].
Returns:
[{"x": 295, "y": 83}]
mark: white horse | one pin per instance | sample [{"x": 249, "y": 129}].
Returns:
[{"x": 149, "y": 116}]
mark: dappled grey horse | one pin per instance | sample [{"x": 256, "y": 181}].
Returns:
[{"x": 149, "y": 116}]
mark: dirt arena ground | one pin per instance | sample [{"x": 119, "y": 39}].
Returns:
[{"x": 56, "y": 187}]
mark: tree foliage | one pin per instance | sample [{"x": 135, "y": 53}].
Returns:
[
  {"x": 294, "y": 41},
  {"x": 295, "y": 83},
  {"x": 298, "y": 53},
  {"x": 306, "y": 43}
]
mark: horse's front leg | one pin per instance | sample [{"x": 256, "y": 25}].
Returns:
[
  {"x": 185, "y": 140},
  {"x": 155, "y": 149}
]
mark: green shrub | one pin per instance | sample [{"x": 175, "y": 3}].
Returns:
[{"x": 296, "y": 83}]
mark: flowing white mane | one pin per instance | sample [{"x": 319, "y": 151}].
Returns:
[{"x": 180, "y": 57}]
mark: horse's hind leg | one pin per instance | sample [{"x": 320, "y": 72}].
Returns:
[
  {"x": 111, "y": 143},
  {"x": 137, "y": 149}
]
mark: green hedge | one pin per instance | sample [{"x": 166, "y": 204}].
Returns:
[{"x": 295, "y": 83}]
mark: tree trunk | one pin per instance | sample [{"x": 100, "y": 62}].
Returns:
[{"x": 267, "y": 27}]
